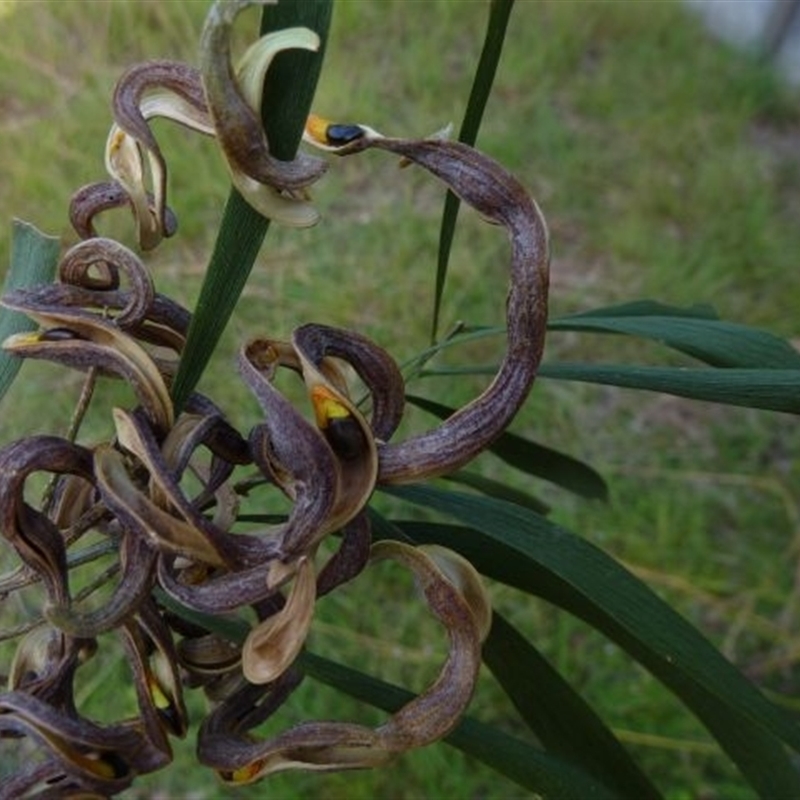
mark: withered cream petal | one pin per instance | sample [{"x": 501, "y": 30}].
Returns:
[
  {"x": 238, "y": 127},
  {"x": 274, "y": 644}
]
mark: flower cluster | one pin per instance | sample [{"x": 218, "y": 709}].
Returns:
[{"x": 176, "y": 540}]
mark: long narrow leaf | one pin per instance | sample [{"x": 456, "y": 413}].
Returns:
[
  {"x": 648, "y": 308},
  {"x": 499, "y": 13},
  {"x": 713, "y": 341},
  {"x": 494, "y": 488},
  {"x": 543, "y": 773},
  {"x": 522, "y": 549},
  {"x": 534, "y": 459},
  {"x": 770, "y": 389},
  {"x": 557, "y": 714},
  {"x": 34, "y": 256},
  {"x": 288, "y": 90}
]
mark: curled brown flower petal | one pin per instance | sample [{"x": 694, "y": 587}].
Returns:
[
  {"x": 344, "y": 428},
  {"x": 106, "y": 757},
  {"x": 154, "y": 661},
  {"x": 222, "y": 591},
  {"x": 351, "y": 557},
  {"x": 237, "y": 126},
  {"x": 223, "y": 741},
  {"x": 44, "y": 665},
  {"x": 95, "y": 198},
  {"x": 371, "y": 363},
  {"x": 151, "y": 89},
  {"x": 274, "y": 644},
  {"x": 289, "y": 450},
  {"x": 110, "y": 258},
  {"x": 312, "y": 746},
  {"x": 36, "y": 539},
  {"x": 137, "y": 561},
  {"x": 134, "y": 510},
  {"x": 499, "y": 197},
  {"x": 455, "y": 596},
  {"x": 86, "y": 341}
]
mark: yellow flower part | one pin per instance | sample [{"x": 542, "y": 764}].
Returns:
[{"x": 327, "y": 407}]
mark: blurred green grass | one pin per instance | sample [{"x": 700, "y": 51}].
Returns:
[{"x": 668, "y": 167}]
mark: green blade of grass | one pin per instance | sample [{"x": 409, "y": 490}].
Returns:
[
  {"x": 713, "y": 341},
  {"x": 34, "y": 257},
  {"x": 499, "y": 13},
  {"x": 534, "y": 459},
  {"x": 546, "y": 774},
  {"x": 288, "y": 91},
  {"x": 522, "y": 549}
]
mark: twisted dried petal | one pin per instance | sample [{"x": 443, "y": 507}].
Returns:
[
  {"x": 111, "y": 257},
  {"x": 226, "y": 591},
  {"x": 272, "y": 646},
  {"x": 137, "y": 436},
  {"x": 458, "y": 571},
  {"x": 35, "y": 538},
  {"x": 104, "y": 756},
  {"x": 154, "y": 661},
  {"x": 95, "y": 198},
  {"x": 371, "y": 363},
  {"x": 165, "y": 323},
  {"x": 137, "y": 561},
  {"x": 223, "y": 742},
  {"x": 436, "y": 711},
  {"x": 44, "y": 665},
  {"x": 344, "y": 427},
  {"x": 84, "y": 341},
  {"x": 228, "y": 448},
  {"x": 188, "y": 533},
  {"x": 500, "y": 198},
  {"x": 312, "y": 746},
  {"x": 147, "y": 90},
  {"x": 351, "y": 557},
  {"x": 287, "y": 448},
  {"x": 72, "y": 504},
  {"x": 236, "y": 122},
  {"x": 444, "y": 579}
]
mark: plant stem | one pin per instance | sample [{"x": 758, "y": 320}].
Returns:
[{"x": 288, "y": 91}]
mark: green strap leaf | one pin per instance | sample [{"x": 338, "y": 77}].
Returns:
[
  {"x": 288, "y": 90},
  {"x": 562, "y": 720},
  {"x": 540, "y": 772},
  {"x": 534, "y": 459},
  {"x": 522, "y": 549},
  {"x": 713, "y": 341},
  {"x": 649, "y": 308},
  {"x": 769, "y": 389},
  {"x": 34, "y": 257},
  {"x": 499, "y": 489},
  {"x": 499, "y": 13}
]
